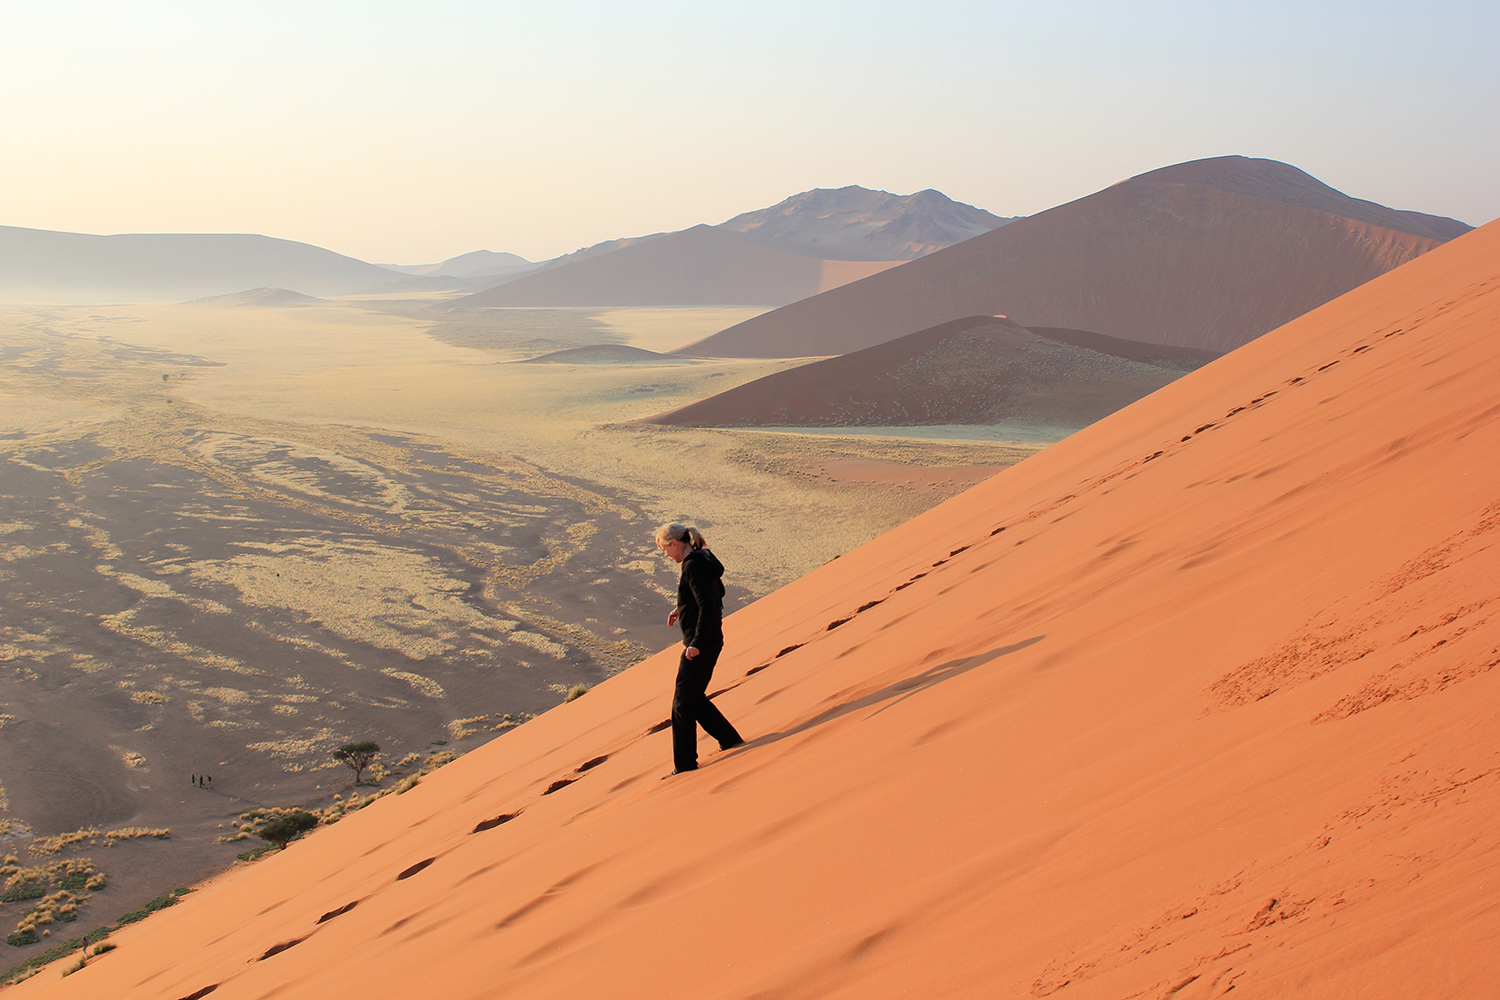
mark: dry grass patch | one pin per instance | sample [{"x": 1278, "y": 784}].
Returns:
[{"x": 95, "y": 837}]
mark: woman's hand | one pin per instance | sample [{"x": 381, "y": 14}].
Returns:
[
  {"x": 673, "y": 615},
  {"x": 690, "y": 652}
]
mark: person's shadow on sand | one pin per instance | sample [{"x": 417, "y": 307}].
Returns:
[{"x": 893, "y": 694}]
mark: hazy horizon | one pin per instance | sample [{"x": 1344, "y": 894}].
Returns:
[{"x": 407, "y": 135}]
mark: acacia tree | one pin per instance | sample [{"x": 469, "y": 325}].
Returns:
[
  {"x": 288, "y": 828},
  {"x": 358, "y": 756}
]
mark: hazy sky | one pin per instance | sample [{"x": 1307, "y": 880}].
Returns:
[{"x": 413, "y": 131}]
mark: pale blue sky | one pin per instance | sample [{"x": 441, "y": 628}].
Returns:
[{"x": 414, "y": 131}]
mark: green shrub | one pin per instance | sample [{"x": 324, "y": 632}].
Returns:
[
  {"x": 74, "y": 881},
  {"x": 28, "y": 890},
  {"x": 159, "y": 903},
  {"x": 288, "y": 828},
  {"x": 20, "y": 938}
]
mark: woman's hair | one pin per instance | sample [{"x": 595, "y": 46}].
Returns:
[{"x": 675, "y": 532}]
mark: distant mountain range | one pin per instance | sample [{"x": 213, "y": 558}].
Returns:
[
  {"x": 806, "y": 244},
  {"x": 43, "y": 266},
  {"x": 855, "y": 223},
  {"x": 1207, "y": 254},
  {"x": 809, "y": 243},
  {"x": 704, "y": 265}
]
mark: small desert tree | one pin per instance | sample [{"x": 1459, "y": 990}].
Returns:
[
  {"x": 288, "y": 828},
  {"x": 358, "y": 756}
]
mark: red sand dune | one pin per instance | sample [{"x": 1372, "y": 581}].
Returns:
[
  {"x": 1200, "y": 699},
  {"x": 698, "y": 266},
  {"x": 604, "y": 354},
  {"x": 1207, "y": 254},
  {"x": 976, "y": 370},
  {"x": 1289, "y": 186}
]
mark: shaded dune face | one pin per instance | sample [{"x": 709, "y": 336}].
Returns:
[
  {"x": 1159, "y": 261},
  {"x": 977, "y": 370},
  {"x": 1202, "y": 698}
]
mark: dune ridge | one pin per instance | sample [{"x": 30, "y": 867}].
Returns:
[
  {"x": 1200, "y": 699},
  {"x": 1270, "y": 180},
  {"x": 1172, "y": 257}
]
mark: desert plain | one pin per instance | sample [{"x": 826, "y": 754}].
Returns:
[{"x": 234, "y": 537}]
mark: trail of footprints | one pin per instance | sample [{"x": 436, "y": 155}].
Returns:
[
  {"x": 1088, "y": 487},
  {"x": 490, "y": 824}
]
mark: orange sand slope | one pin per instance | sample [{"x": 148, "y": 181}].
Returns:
[
  {"x": 1208, "y": 254},
  {"x": 1200, "y": 698},
  {"x": 698, "y": 266}
]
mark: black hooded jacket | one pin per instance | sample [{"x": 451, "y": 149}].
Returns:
[{"x": 700, "y": 600}]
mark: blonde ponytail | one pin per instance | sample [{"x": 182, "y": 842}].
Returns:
[{"x": 675, "y": 532}]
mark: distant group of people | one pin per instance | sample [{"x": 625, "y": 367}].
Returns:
[{"x": 203, "y": 780}]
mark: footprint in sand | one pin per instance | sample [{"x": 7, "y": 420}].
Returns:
[
  {"x": 408, "y": 873},
  {"x": 490, "y": 824}
]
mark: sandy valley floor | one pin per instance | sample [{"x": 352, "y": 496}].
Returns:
[{"x": 232, "y": 539}]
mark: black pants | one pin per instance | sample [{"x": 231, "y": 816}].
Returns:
[{"x": 691, "y": 708}]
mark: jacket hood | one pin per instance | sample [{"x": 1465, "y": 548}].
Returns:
[{"x": 707, "y": 559}]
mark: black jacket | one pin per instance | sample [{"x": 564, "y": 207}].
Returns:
[{"x": 700, "y": 600}]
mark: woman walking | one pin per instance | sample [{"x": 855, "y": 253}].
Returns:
[{"x": 700, "y": 612}]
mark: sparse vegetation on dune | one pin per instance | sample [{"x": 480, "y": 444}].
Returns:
[
  {"x": 95, "y": 837},
  {"x": 35, "y": 963},
  {"x": 55, "y": 892},
  {"x": 280, "y": 819},
  {"x": 510, "y": 720}
]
